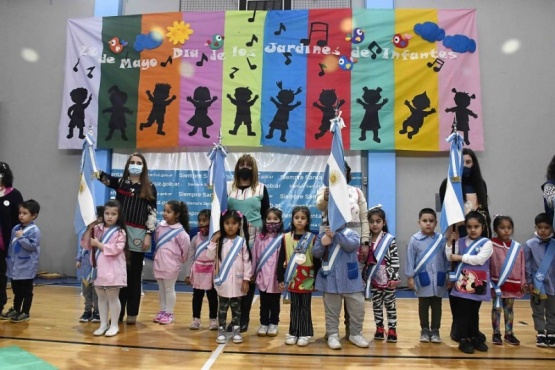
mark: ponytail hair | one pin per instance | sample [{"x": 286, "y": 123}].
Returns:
[{"x": 182, "y": 211}]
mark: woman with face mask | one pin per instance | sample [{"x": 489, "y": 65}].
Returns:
[
  {"x": 137, "y": 196},
  {"x": 250, "y": 197}
]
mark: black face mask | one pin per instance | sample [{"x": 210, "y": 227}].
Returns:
[{"x": 245, "y": 173}]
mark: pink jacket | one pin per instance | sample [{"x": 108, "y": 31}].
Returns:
[
  {"x": 517, "y": 277},
  {"x": 266, "y": 280},
  {"x": 111, "y": 263},
  {"x": 241, "y": 269},
  {"x": 169, "y": 257},
  {"x": 202, "y": 269}
]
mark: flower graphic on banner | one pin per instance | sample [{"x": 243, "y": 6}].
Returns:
[{"x": 179, "y": 33}]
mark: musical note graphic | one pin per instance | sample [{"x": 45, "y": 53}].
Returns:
[
  {"x": 317, "y": 27},
  {"x": 281, "y": 28},
  {"x": 252, "y": 41},
  {"x": 252, "y": 66},
  {"x": 322, "y": 67},
  {"x": 232, "y": 74},
  {"x": 439, "y": 62},
  {"x": 375, "y": 45},
  {"x": 90, "y": 69},
  {"x": 251, "y": 19},
  {"x": 287, "y": 59},
  {"x": 203, "y": 59},
  {"x": 75, "y": 69},
  {"x": 169, "y": 60}
]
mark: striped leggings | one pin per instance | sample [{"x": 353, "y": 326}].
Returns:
[{"x": 381, "y": 298}]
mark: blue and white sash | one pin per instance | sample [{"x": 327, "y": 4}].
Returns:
[
  {"x": 169, "y": 235},
  {"x": 302, "y": 247},
  {"x": 471, "y": 250},
  {"x": 539, "y": 276},
  {"x": 268, "y": 252},
  {"x": 429, "y": 254},
  {"x": 381, "y": 249},
  {"x": 201, "y": 248},
  {"x": 506, "y": 269},
  {"x": 26, "y": 232},
  {"x": 105, "y": 238},
  {"x": 221, "y": 276}
]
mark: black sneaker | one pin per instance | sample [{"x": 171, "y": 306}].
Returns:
[
  {"x": 541, "y": 340},
  {"x": 496, "y": 339},
  {"x": 465, "y": 345},
  {"x": 511, "y": 339},
  {"x": 21, "y": 317},
  {"x": 550, "y": 340},
  {"x": 95, "y": 316},
  {"x": 8, "y": 314},
  {"x": 392, "y": 335},
  {"x": 479, "y": 345},
  {"x": 86, "y": 316},
  {"x": 380, "y": 333}
]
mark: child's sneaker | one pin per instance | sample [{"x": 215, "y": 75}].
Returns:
[
  {"x": 195, "y": 324},
  {"x": 213, "y": 324},
  {"x": 496, "y": 339},
  {"x": 511, "y": 339},
  {"x": 272, "y": 330},
  {"x": 167, "y": 319},
  {"x": 86, "y": 316},
  {"x": 541, "y": 340},
  {"x": 237, "y": 338},
  {"x": 550, "y": 340},
  {"x": 221, "y": 338},
  {"x": 290, "y": 339},
  {"x": 434, "y": 336},
  {"x": 392, "y": 335},
  {"x": 8, "y": 314},
  {"x": 262, "y": 331},
  {"x": 158, "y": 316},
  {"x": 425, "y": 336},
  {"x": 95, "y": 316},
  {"x": 301, "y": 342},
  {"x": 380, "y": 333},
  {"x": 20, "y": 317}
]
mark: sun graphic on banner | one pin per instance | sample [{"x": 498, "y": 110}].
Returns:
[
  {"x": 179, "y": 33},
  {"x": 335, "y": 177}
]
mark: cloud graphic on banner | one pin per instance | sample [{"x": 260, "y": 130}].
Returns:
[
  {"x": 460, "y": 43},
  {"x": 148, "y": 41},
  {"x": 429, "y": 31}
]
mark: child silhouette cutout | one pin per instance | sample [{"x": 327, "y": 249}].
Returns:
[
  {"x": 371, "y": 119},
  {"x": 462, "y": 101},
  {"x": 281, "y": 118},
  {"x": 202, "y": 101},
  {"x": 76, "y": 112},
  {"x": 328, "y": 98},
  {"x": 159, "y": 104},
  {"x": 118, "y": 109},
  {"x": 243, "y": 114},
  {"x": 416, "y": 119}
]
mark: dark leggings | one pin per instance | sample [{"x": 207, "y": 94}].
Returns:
[
  {"x": 198, "y": 296},
  {"x": 23, "y": 295},
  {"x": 130, "y": 296}
]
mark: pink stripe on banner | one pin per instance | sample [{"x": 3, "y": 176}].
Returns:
[
  {"x": 201, "y": 79},
  {"x": 461, "y": 71}
]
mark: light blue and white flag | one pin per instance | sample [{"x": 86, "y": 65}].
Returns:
[
  {"x": 85, "y": 212},
  {"x": 339, "y": 209},
  {"x": 217, "y": 180},
  {"x": 452, "y": 211}
]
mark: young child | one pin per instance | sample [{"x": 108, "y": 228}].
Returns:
[
  {"x": 508, "y": 278},
  {"x": 22, "y": 261},
  {"x": 296, "y": 269},
  {"x": 233, "y": 271},
  {"x": 470, "y": 281},
  {"x": 426, "y": 271},
  {"x": 265, "y": 255},
  {"x": 539, "y": 253},
  {"x": 108, "y": 245},
  {"x": 381, "y": 273},
  {"x": 84, "y": 272},
  {"x": 201, "y": 275},
  {"x": 340, "y": 281},
  {"x": 172, "y": 247}
]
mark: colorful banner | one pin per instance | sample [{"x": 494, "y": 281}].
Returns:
[{"x": 401, "y": 79}]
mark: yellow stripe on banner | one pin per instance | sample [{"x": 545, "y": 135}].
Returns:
[{"x": 416, "y": 84}]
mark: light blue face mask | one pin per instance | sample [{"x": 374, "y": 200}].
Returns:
[{"x": 135, "y": 169}]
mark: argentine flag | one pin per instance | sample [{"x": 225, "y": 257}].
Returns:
[
  {"x": 217, "y": 179},
  {"x": 339, "y": 209},
  {"x": 85, "y": 212},
  {"x": 452, "y": 210}
]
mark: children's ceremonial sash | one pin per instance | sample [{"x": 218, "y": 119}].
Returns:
[
  {"x": 167, "y": 237},
  {"x": 26, "y": 232},
  {"x": 539, "y": 276},
  {"x": 384, "y": 242},
  {"x": 472, "y": 249},
  {"x": 429, "y": 254},
  {"x": 107, "y": 235},
  {"x": 268, "y": 252},
  {"x": 298, "y": 257},
  {"x": 221, "y": 276},
  {"x": 506, "y": 269},
  {"x": 201, "y": 248}
]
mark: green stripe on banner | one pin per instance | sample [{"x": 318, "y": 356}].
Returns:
[{"x": 116, "y": 126}]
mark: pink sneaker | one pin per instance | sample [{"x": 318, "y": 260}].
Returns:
[
  {"x": 167, "y": 319},
  {"x": 158, "y": 316}
]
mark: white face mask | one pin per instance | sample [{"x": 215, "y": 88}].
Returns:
[{"x": 135, "y": 169}]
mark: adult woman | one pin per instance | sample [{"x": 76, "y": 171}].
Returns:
[
  {"x": 137, "y": 195},
  {"x": 10, "y": 199},
  {"x": 548, "y": 189},
  {"x": 250, "y": 197}
]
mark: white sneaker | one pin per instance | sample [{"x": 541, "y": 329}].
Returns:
[
  {"x": 100, "y": 331},
  {"x": 272, "y": 330},
  {"x": 213, "y": 324},
  {"x": 302, "y": 342},
  {"x": 237, "y": 337},
  {"x": 262, "y": 331},
  {"x": 221, "y": 338},
  {"x": 112, "y": 331},
  {"x": 333, "y": 341},
  {"x": 359, "y": 341},
  {"x": 195, "y": 324},
  {"x": 290, "y": 339}
]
